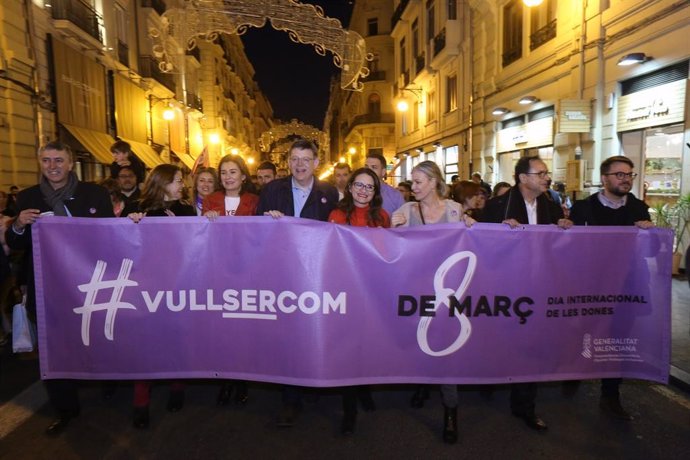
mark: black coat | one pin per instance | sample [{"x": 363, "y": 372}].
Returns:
[
  {"x": 89, "y": 200},
  {"x": 511, "y": 205},
  {"x": 590, "y": 211},
  {"x": 277, "y": 196}
]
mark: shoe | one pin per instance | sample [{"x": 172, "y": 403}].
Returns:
[
  {"x": 175, "y": 401},
  {"x": 241, "y": 393},
  {"x": 141, "y": 417},
  {"x": 420, "y": 395},
  {"x": 367, "y": 401},
  {"x": 450, "y": 425},
  {"x": 286, "y": 417},
  {"x": 532, "y": 421},
  {"x": 347, "y": 428},
  {"x": 224, "y": 394},
  {"x": 58, "y": 425},
  {"x": 611, "y": 406}
]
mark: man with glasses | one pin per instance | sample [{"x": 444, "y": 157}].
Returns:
[
  {"x": 300, "y": 194},
  {"x": 526, "y": 204},
  {"x": 127, "y": 180},
  {"x": 613, "y": 205}
]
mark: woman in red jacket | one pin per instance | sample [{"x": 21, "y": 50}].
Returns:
[
  {"x": 360, "y": 207},
  {"x": 237, "y": 197}
]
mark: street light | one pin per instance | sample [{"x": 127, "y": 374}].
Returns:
[
  {"x": 214, "y": 138},
  {"x": 531, "y": 3}
]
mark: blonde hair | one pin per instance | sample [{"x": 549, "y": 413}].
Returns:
[{"x": 432, "y": 171}]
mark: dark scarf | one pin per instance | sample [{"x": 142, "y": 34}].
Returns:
[{"x": 56, "y": 198}]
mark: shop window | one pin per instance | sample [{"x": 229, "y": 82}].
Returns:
[
  {"x": 373, "y": 26},
  {"x": 663, "y": 163},
  {"x": 512, "y": 32},
  {"x": 451, "y": 158}
]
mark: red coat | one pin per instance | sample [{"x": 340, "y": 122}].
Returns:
[{"x": 216, "y": 202}]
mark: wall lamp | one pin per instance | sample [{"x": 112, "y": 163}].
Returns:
[
  {"x": 633, "y": 58},
  {"x": 500, "y": 111},
  {"x": 402, "y": 104},
  {"x": 527, "y": 100}
]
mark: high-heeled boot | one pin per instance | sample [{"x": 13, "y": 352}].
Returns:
[{"x": 450, "y": 425}]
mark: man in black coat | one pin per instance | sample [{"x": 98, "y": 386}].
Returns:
[
  {"x": 300, "y": 194},
  {"x": 526, "y": 204},
  {"x": 59, "y": 193},
  {"x": 613, "y": 205}
]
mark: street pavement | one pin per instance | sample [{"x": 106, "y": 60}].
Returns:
[{"x": 577, "y": 428}]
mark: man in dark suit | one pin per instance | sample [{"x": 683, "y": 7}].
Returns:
[
  {"x": 59, "y": 193},
  {"x": 526, "y": 204},
  {"x": 300, "y": 194}
]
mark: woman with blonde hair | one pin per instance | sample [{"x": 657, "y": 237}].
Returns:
[
  {"x": 205, "y": 183},
  {"x": 432, "y": 208}
]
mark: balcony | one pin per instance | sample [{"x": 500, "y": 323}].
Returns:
[
  {"x": 446, "y": 44},
  {"x": 511, "y": 55},
  {"x": 542, "y": 35},
  {"x": 228, "y": 94},
  {"x": 397, "y": 14},
  {"x": 369, "y": 118},
  {"x": 194, "y": 102},
  {"x": 78, "y": 13},
  {"x": 123, "y": 53},
  {"x": 158, "y": 5},
  {"x": 419, "y": 63},
  {"x": 379, "y": 75},
  {"x": 148, "y": 68}
]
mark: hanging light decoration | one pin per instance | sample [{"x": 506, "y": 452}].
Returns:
[{"x": 304, "y": 23}]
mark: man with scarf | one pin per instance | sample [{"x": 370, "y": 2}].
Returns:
[
  {"x": 526, "y": 204},
  {"x": 59, "y": 193}
]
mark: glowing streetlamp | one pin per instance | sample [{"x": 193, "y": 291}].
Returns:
[
  {"x": 214, "y": 138},
  {"x": 234, "y": 151},
  {"x": 532, "y": 3},
  {"x": 402, "y": 105}
]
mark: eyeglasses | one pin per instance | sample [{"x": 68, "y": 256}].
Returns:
[
  {"x": 541, "y": 174},
  {"x": 298, "y": 160},
  {"x": 360, "y": 186},
  {"x": 622, "y": 175}
]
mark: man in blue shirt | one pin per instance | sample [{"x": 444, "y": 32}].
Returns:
[{"x": 392, "y": 198}]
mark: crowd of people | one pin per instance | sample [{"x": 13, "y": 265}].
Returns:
[{"x": 356, "y": 198}]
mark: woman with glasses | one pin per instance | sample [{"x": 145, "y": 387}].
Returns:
[
  {"x": 432, "y": 208},
  {"x": 161, "y": 196},
  {"x": 205, "y": 183},
  {"x": 360, "y": 207}
]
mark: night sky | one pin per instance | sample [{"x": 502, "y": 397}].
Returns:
[{"x": 292, "y": 76}]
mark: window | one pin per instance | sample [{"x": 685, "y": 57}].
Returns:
[
  {"x": 431, "y": 106},
  {"x": 373, "y": 26},
  {"x": 415, "y": 38},
  {"x": 452, "y": 9},
  {"x": 403, "y": 52},
  {"x": 542, "y": 23},
  {"x": 430, "y": 20},
  {"x": 512, "y": 32},
  {"x": 451, "y": 93},
  {"x": 374, "y": 105},
  {"x": 415, "y": 116},
  {"x": 450, "y": 161}
]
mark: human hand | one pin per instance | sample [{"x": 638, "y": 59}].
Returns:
[
  {"x": 275, "y": 214},
  {"x": 136, "y": 217},
  {"x": 644, "y": 224},
  {"x": 26, "y": 217},
  {"x": 212, "y": 215},
  {"x": 398, "y": 219},
  {"x": 512, "y": 223},
  {"x": 565, "y": 223}
]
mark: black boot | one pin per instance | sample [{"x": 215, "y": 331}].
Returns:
[
  {"x": 141, "y": 417},
  {"x": 241, "y": 392},
  {"x": 420, "y": 395},
  {"x": 349, "y": 410},
  {"x": 450, "y": 425},
  {"x": 364, "y": 393},
  {"x": 224, "y": 394}
]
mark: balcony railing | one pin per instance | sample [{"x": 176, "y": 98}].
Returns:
[
  {"x": 195, "y": 52},
  {"x": 397, "y": 14},
  {"x": 78, "y": 13},
  {"x": 440, "y": 41},
  {"x": 378, "y": 75},
  {"x": 511, "y": 55},
  {"x": 158, "y": 5},
  {"x": 419, "y": 63},
  {"x": 369, "y": 118},
  {"x": 194, "y": 102},
  {"x": 148, "y": 68},
  {"x": 542, "y": 35},
  {"x": 123, "y": 53}
]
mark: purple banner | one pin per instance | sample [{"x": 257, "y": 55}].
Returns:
[{"x": 318, "y": 304}]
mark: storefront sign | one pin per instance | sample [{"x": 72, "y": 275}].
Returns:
[
  {"x": 538, "y": 133},
  {"x": 661, "y": 105},
  {"x": 318, "y": 304},
  {"x": 575, "y": 116}
]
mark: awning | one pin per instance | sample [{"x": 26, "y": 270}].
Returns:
[
  {"x": 145, "y": 153},
  {"x": 186, "y": 159},
  {"x": 97, "y": 143}
]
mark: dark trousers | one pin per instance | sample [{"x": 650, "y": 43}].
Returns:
[
  {"x": 522, "y": 397},
  {"x": 292, "y": 395},
  {"x": 609, "y": 388},
  {"x": 63, "y": 396},
  {"x": 142, "y": 391}
]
